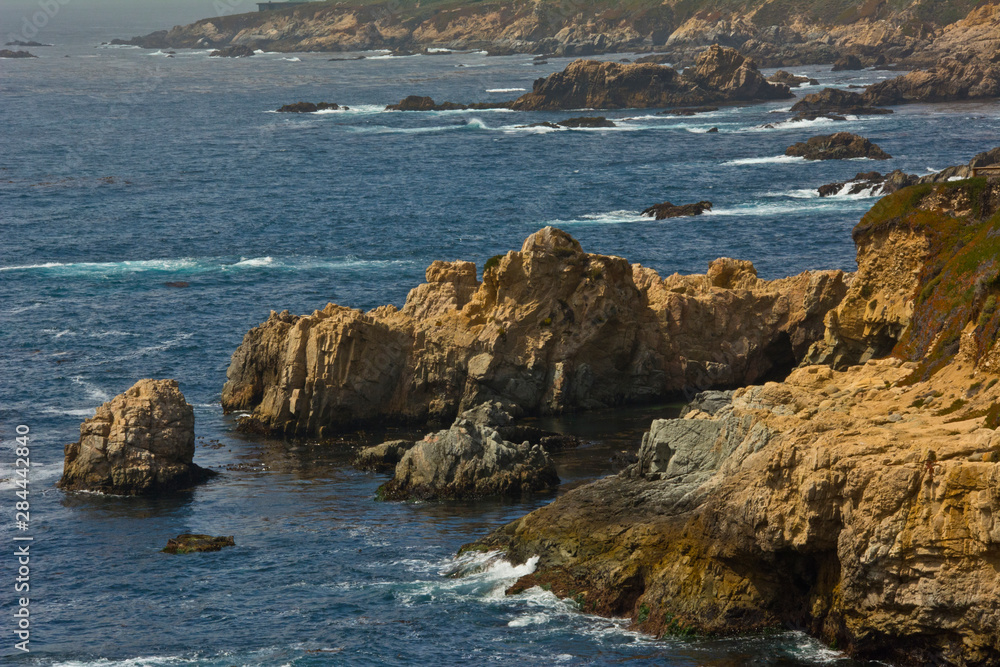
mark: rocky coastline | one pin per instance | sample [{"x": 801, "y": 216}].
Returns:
[{"x": 856, "y": 499}]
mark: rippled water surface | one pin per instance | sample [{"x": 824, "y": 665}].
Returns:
[{"x": 123, "y": 170}]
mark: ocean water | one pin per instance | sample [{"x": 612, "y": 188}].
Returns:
[{"x": 122, "y": 170}]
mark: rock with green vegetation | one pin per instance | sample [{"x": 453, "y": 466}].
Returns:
[{"x": 189, "y": 543}]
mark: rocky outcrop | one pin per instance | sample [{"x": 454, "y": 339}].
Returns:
[
  {"x": 836, "y": 102},
  {"x": 689, "y": 111},
  {"x": 965, "y": 78},
  {"x": 848, "y": 63},
  {"x": 469, "y": 460},
  {"x": 310, "y": 107},
  {"x": 791, "y": 80},
  {"x": 418, "y": 103},
  {"x": 586, "y": 121},
  {"x": 7, "y": 53},
  {"x": 549, "y": 329},
  {"x": 190, "y": 543},
  {"x": 18, "y": 42},
  {"x": 859, "y": 504},
  {"x": 236, "y": 51},
  {"x": 719, "y": 75},
  {"x": 871, "y": 183},
  {"x": 668, "y": 210},
  {"x": 839, "y": 146},
  {"x": 139, "y": 443}
]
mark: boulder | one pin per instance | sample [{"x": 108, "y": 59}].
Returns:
[
  {"x": 668, "y": 210},
  {"x": 469, "y": 460},
  {"x": 383, "y": 457},
  {"x": 873, "y": 183},
  {"x": 839, "y": 146},
  {"x": 548, "y": 329},
  {"x": 236, "y": 51},
  {"x": 189, "y": 543},
  {"x": 847, "y": 63},
  {"x": 791, "y": 80},
  {"x": 140, "y": 442},
  {"x": 719, "y": 75},
  {"x": 310, "y": 107}
]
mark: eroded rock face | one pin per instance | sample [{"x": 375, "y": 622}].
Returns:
[
  {"x": 827, "y": 502},
  {"x": 848, "y": 63},
  {"x": 839, "y": 146},
  {"x": 139, "y": 443},
  {"x": 835, "y": 102},
  {"x": 236, "y": 51},
  {"x": 549, "y": 329},
  {"x": 719, "y": 74},
  {"x": 469, "y": 460},
  {"x": 383, "y": 457}
]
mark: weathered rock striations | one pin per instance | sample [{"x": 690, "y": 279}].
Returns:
[
  {"x": 719, "y": 75},
  {"x": 140, "y": 442},
  {"x": 860, "y": 504},
  {"x": 839, "y": 146},
  {"x": 469, "y": 460},
  {"x": 951, "y": 79},
  {"x": 549, "y": 329}
]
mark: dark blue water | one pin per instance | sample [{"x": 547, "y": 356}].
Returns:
[{"x": 122, "y": 170}]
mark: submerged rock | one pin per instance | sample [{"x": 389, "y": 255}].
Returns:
[
  {"x": 310, "y": 107},
  {"x": 236, "y": 51},
  {"x": 839, "y": 146},
  {"x": 720, "y": 74},
  {"x": 549, "y": 329},
  {"x": 470, "y": 460},
  {"x": 190, "y": 543},
  {"x": 688, "y": 111},
  {"x": 140, "y": 442},
  {"x": 418, "y": 103},
  {"x": 668, "y": 210}
]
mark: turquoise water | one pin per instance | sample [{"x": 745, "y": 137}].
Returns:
[{"x": 123, "y": 170}]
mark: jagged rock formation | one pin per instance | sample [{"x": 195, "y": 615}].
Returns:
[
  {"x": 860, "y": 504},
  {"x": 469, "y": 460},
  {"x": 549, "y": 329},
  {"x": 719, "y": 75},
  {"x": 668, "y": 210},
  {"x": 871, "y": 183},
  {"x": 140, "y": 442},
  {"x": 839, "y": 146},
  {"x": 848, "y": 63}
]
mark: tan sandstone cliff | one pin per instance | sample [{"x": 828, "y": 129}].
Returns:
[
  {"x": 861, "y": 504},
  {"x": 550, "y": 328}
]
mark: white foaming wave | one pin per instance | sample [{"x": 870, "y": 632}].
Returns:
[
  {"x": 810, "y": 650},
  {"x": 819, "y": 205},
  {"x": 253, "y": 261},
  {"x": 127, "y": 266},
  {"x": 505, "y": 90},
  {"x": 23, "y": 309},
  {"x": 791, "y": 124},
  {"x": 777, "y": 159},
  {"x": 75, "y": 412},
  {"x": 609, "y": 218},
  {"x": 151, "y": 661},
  {"x": 150, "y": 349},
  {"x": 472, "y": 124},
  {"x": 524, "y": 620},
  {"x": 94, "y": 392},
  {"x": 293, "y": 59},
  {"x": 190, "y": 265},
  {"x": 801, "y": 193}
]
